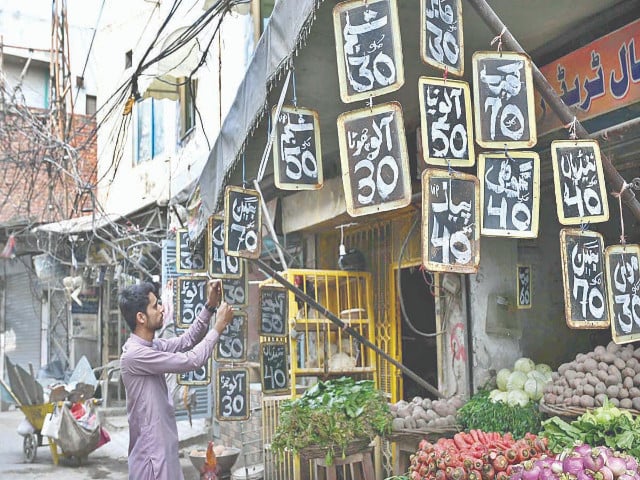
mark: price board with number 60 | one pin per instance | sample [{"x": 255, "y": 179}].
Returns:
[
  {"x": 274, "y": 367},
  {"x": 232, "y": 394}
]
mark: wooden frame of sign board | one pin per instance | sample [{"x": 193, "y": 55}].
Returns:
[
  {"x": 446, "y": 160},
  {"x": 221, "y": 402},
  {"x": 206, "y": 381},
  {"x": 281, "y": 179},
  {"x": 620, "y": 291},
  {"x": 235, "y": 282},
  {"x": 215, "y": 224},
  {"x": 179, "y": 314},
  {"x": 282, "y": 332},
  {"x": 456, "y": 68},
  {"x": 401, "y": 167},
  {"x": 519, "y": 269},
  {"x": 461, "y": 180},
  {"x": 285, "y": 388},
  {"x": 234, "y": 191},
  {"x": 514, "y": 160},
  {"x": 244, "y": 329},
  {"x": 566, "y": 236},
  {"x": 347, "y": 94},
  {"x": 517, "y": 86},
  {"x": 556, "y": 147},
  {"x": 181, "y": 234}
]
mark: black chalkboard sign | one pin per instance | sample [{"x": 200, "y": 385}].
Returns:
[
  {"x": 441, "y": 41},
  {"x": 525, "y": 294},
  {"x": 243, "y": 222},
  {"x": 578, "y": 177},
  {"x": 368, "y": 48},
  {"x": 232, "y": 394},
  {"x": 375, "y": 164},
  {"x": 297, "y": 154},
  {"x": 191, "y": 295},
  {"x": 221, "y": 265},
  {"x": 273, "y": 311},
  {"x": 622, "y": 264},
  {"x": 450, "y": 233},
  {"x": 274, "y": 367},
  {"x": 583, "y": 279},
  {"x": 236, "y": 291},
  {"x": 232, "y": 344},
  {"x": 190, "y": 257},
  {"x": 446, "y": 127},
  {"x": 199, "y": 376},
  {"x": 503, "y": 100},
  {"x": 509, "y": 194}
]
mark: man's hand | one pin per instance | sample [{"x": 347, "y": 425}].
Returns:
[
  {"x": 224, "y": 316},
  {"x": 214, "y": 293}
]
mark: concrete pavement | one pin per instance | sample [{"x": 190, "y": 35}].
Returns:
[{"x": 108, "y": 462}]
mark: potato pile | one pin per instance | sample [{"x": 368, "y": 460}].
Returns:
[
  {"x": 424, "y": 413},
  {"x": 611, "y": 372}
]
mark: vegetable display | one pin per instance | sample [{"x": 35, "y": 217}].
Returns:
[
  {"x": 611, "y": 372},
  {"x": 523, "y": 384},
  {"x": 476, "y": 455},
  {"x": 330, "y": 415},
  {"x": 581, "y": 462},
  {"x": 481, "y": 413},
  {"x": 424, "y": 413},
  {"x": 605, "y": 426}
]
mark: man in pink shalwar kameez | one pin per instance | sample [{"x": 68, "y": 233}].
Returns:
[{"x": 153, "y": 434}]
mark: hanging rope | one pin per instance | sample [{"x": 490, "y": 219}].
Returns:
[
  {"x": 293, "y": 87},
  {"x": 618, "y": 195},
  {"x": 498, "y": 38},
  {"x": 572, "y": 128}
]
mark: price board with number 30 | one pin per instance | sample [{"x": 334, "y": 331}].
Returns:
[{"x": 232, "y": 394}]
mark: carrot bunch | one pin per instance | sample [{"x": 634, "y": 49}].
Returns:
[{"x": 475, "y": 455}]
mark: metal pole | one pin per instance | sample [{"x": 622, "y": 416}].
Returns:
[
  {"x": 350, "y": 330},
  {"x": 554, "y": 101}
]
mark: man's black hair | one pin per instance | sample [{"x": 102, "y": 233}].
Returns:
[{"x": 134, "y": 299}]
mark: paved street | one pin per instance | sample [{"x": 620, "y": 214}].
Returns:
[{"x": 108, "y": 462}]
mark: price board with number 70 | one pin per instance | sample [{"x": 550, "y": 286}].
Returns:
[{"x": 243, "y": 222}]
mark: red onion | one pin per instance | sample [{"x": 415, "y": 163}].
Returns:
[
  {"x": 632, "y": 463},
  {"x": 626, "y": 476},
  {"x": 572, "y": 465},
  {"x": 617, "y": 465},
  {"x": 547, "y": 474},
  {"x": 583, "y": 475},
  {"x": 556, "y": 467},
  {"x": 582, "y": 449},
  {"x": 594, "y": 461},
  {"x": 532, "y": 474}
]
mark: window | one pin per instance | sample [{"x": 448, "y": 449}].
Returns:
[
  {"x": 150, "y": 132},
  {"x": 187, "y": 97},
  {"x": 91, "y": 105}
]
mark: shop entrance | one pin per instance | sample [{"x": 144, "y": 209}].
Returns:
[{"x": 419, "y": 352}]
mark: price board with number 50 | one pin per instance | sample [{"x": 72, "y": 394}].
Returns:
[{"x": 273, "y": 311}]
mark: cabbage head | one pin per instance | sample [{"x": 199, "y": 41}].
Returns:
[
  {"x": 516, "y": 381},
  {"x": 517, "y": 398},
  {"x": 524, "y": 365},
  {"x": 534, "y": 388},
  {"x": 501, "y": 379}
]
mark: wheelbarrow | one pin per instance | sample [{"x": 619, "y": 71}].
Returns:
[{"x": 72, "y": 440}]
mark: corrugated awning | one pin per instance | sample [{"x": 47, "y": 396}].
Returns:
[{"x": 287, "y": 28}]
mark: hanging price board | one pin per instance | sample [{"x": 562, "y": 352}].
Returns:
[
  {"x": 221, "y": 265},
  {"x": 274, "y": 367},
  {"x": 503, "y": 100},
  {"x": 191, "y": 295},
  {"x": 368, "y": 48},
  {"x": 297, "y": 155},
  {"x": 273, "y": 311},
  {"x": 190, "y": 257},
  {"x": 583, "y": 279},
  {"x": 375, "y": 163},
  {"x": 232, "y": 344},
  {"x": 441, "y": 40},
  {"x": 525, "y": 294},
  {"x": 579, "y": 182},
  {"x": 622, "y": 264},
  {"x": 199, "y": 376},
  {"x": 232, "y": 394},
  {"x": 509, "y": 194},
  {"x": 236, "y": 291},
  {"x": 445, "y": 117},
  {"x": 243, "y": 221},
  {"x": 450, "y": 233}
]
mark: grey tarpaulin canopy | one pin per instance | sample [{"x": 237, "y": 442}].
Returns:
[{"x": 287, "y": 28}]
